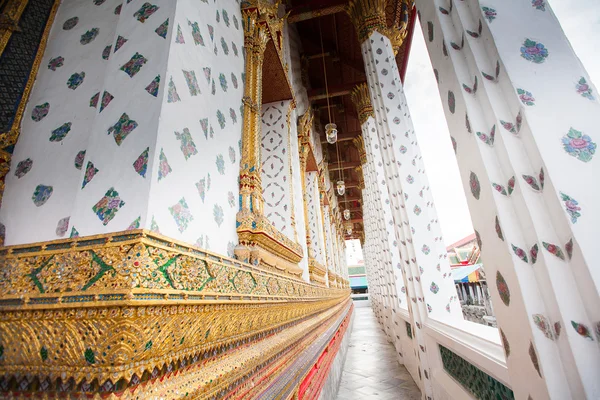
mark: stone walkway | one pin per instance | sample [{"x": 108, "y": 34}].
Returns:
[{"x": 371, "y": 370}]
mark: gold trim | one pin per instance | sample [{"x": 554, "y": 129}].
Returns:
[
  {"x": 362, "y": 102},
  {"x": 10, "y": 138},
  {"x": 114, "y": 305},
  {"x": 369, "y": 16},
  {"x": 10, "y": 20}
]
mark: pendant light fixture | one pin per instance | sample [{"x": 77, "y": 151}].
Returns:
[
  {"x": 331, "y": 134},
  {"x": 348, "y": 227}
]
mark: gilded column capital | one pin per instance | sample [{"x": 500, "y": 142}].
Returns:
[
  {"x": 369, "y": 16},
  {"x": 305, "y": 124},
  {"x": 361, "y": 178},
  {"x": 360, "y": 146},
  {"x": 362, "y": 102}
]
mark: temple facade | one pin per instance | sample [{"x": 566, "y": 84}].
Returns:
[{"x": 178, "y": 179}]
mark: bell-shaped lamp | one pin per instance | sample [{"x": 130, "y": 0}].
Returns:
[
  {"x": 341, "y": 188},
  {"x": 346, "y": 214},
  {"x": 331, "y": 133},
  {"x": 348, "y": 227}
]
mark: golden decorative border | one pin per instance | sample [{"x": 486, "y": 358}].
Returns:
[
  {"x": 10, "y": 138},
  {"x": 120, "y": 306}
]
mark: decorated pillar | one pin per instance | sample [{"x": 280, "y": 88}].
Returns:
[
  {"x": 370, "y": 157},
  {"x": 260, "y": 241},
  {"x": 523, "y": 118},
  {"x": 414, "y": 220},
  {"x": 256, "y": 36}
]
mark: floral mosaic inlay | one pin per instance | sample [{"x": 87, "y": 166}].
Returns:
[
  {"x": 579, "y": 145},
  {"x": 122, "y": 128},
  {"x": 571, "y": 207},
  {"x": 41, "y": 194},
  {"x": 107, "y": 207},
  {"x": 181, "y": 214},
  {"x": 534, "y": 51}
]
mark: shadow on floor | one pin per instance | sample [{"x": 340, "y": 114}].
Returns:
[{"x": 371, "y": 370}]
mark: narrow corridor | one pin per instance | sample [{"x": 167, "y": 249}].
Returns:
[{"x": 371, "y": 370}]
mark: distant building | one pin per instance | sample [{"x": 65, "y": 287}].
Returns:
[{"x": 358, "y": 278}]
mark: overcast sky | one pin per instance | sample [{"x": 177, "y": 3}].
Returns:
[{"x": 581, "y": 22}]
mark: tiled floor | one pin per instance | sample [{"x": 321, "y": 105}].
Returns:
[{"x": 371, "y": 370}]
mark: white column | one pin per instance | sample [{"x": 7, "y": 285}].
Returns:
[{"x": 523, "y": 118}]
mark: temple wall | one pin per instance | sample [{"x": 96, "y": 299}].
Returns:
[
  {"x": 43, "y": 161},
  {"x": 314, "y": 215},
  {"x": 194, "y": 193},
  {"x": 295, "y": 69},
  {"x": 297, "y": 193},
  {"x": 276, "y": 179},
  {"x": 115, "y": 197},
  {"x": 332, "y": 383}
]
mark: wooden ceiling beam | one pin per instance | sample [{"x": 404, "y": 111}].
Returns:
[
  {"x": 334, "y": 91},
  {"x": 345, "y": 165},
  {"x": 346, "y": 136},
  {"x": 315, "y": 9},
  {"x": 341, "y": 199}
]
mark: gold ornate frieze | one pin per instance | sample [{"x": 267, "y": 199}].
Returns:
[
  {"x": 362, "y": 102},
  {"x": 134, "y": 306},
  {"x": 317, "y": 272}
]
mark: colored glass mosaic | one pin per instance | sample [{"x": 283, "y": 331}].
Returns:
[
  {"x": 70, "y": 23},
  {"x": 61, "y": 132},
  {"x": 526, "y": 97},
  {"x": 201, "y": 186},
  {"x": 75, "y": 80},
  {"x": 554, "y": 250},
  {"x": 502, "y": 287},
  {"x": 163, "y": 29},
  {"x": 153, "y": 87},
  {"x": 579, "y": 145},
  {"x": 106, "y": 99},
  {"x": 218, "y": 214},
  {"x": 584, "y": 89},
  {"x": 40, "y": 111},
  {"x": 164, "y": 168},
  {"x": 79, "y": 159},
  {"x": 172, "y": 95},
  {"x": 187, "y": 146},
  {"x": 181, "y": 214},
  {"x": 140, "y": 165},
  {"x": 474, "y": 380},
  {"x": 62, "y": 226},
  {"x": 108, "y": 206},
  {"x": 120, "y": 42},
  {"x": 89, "y": 36},
  {"x": 192, "y": 83},
  {"x": 534, "y": 51},
  {"x": 179, "y": 38},
  {"x": 90, "y": 172},
  {"x": 145, "y": 11},
  {"x": 122, "y": 128},
  {"x": 133, "y": 66},
  {"x": 55, "y": 63},
  {"x": 23, "y": 167},
  {"x": 41, "y": 194},
  {"x": 571, "y": 207}
]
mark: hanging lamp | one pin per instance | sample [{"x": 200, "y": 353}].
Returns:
[
  {"x": 331, "y": 132},
  {"x": 346, "y": 214},
  {"x": 348, "y": 227}
]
